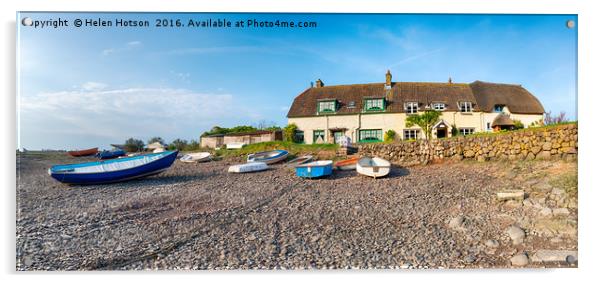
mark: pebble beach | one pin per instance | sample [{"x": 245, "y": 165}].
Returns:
[{"x": 198, "y": 216}]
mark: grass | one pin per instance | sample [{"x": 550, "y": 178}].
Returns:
[
  {"x": 292, "y": 148},
  {"x": 567, "y": 182}
]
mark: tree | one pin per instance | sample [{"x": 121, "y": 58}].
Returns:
[
  {"x": 156, "y": 139},
  {"x": 289, "y": 132},
  {"x": 193, "y": 145},
  {"x": 390, "y": 135},
  {"x": 133, "y": 145},
  {"x": 425, "y": 121},
  {"x": 454, "y": 130},
  {"x": 178, "y": 144},
  {"x": 549, "y": 119}
]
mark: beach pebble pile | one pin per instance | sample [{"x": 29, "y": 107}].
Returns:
[{"x": 198, "y": 216}]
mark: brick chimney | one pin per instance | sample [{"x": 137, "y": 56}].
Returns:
[
  {"x": 388, "y": 78},
  {"x": 319, "y": 83}
]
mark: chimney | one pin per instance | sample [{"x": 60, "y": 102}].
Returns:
[
  {"x": 319, "y": 83},
  {"x": 388, "y": 78},
  {"x": 449, "y": 80}
]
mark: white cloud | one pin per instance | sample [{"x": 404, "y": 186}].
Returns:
[
  {"x": 133, "y": 43},
  {"x": 90, "y": 86},
  {"x": 56, "y": 119},
  {"x": 127, "y": 46}
]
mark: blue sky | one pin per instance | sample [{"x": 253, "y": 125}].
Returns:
[{"x": 85, "y": 87}]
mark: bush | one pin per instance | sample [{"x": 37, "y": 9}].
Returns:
[
  {"x": 288, "y": 133},
  {"x": 193, "y": 145},
  {"x": 133, "y": 145},
  {"x": 549, "y": 119},
  {"x": 156, "y": 139},
  {"x": 518, "y": 124},
  {"x": 390, "y": 135},
  {"x": 454, "y": 130}
]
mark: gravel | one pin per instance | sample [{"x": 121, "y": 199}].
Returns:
[{"x": 198, "y": 216}]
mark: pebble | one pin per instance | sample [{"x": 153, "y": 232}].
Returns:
[
  {"x": 520, "y": 259},
  {"x": 517, "y": 235}
]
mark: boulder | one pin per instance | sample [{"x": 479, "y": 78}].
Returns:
[
  {"x": 516, "y": 234},
  {"x": 548, "y": 256},
  {"x": 520, "y": 259}
]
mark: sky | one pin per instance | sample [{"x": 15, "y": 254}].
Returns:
[{"x": 81, "y": 87}]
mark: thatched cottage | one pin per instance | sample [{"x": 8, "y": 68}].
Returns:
[{"x": 364, "y": 112}]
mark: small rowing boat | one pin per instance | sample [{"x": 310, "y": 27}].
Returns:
[
  {"x": 300, "y": 160},
  {"x": 268, "y": 157},
  {"x": 347, "y": 164},
  {"x": 373, "y": 166},
  {"x": 196, "y": 157},
  {"x": 110, "y": 154},
  {"x": 114, "y": 170},
  {"x": 235, "y": 145},
  {"x": 248, "y": 167},
  {"x": 83, "y": 152},
  {"x": 314, "y": 169}
]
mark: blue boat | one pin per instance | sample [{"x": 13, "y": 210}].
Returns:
[
  {"x": 314, "y": 169},
  {"x": 114, "y": 170},
  {"x": 109, "y": 154}
]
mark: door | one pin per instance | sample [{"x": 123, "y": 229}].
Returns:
[
  {"x": 442, "y": 132},
  {"x": 337, "y": 135}
]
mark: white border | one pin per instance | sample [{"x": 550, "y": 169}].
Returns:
[{"x": 589, "y": 100}]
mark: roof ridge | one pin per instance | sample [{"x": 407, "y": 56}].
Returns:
[
  {"x": 378, "y": 83},
  {"x": 478, "y": 81}
]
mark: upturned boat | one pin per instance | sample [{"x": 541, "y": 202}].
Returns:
[
  {"x": 83, "y": 152},
  {"x": 196, "y": 157},
  {"x": 235, "y": 145},
  {"x": 373, "y": 166},
  {"x": 248, "y": 167},
  {"x": 110, "y": 154},
  {"x": 347, "y": 164},
  {"x": 268, "y": 157},
  {"x": 114, "y": 170},
  {"x": 314, "y": 169}
]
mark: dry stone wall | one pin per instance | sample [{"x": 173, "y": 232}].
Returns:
[{"x": 536, "y": 143}]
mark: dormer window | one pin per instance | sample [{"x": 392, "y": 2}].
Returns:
[
  {"x": 498, "y": 108},
  {"x": 438, "y": 106},
  {"x": 465, "y": 106},
  {"x": 351, "y": 104},
  {"x": 327, "y": 106},
  {"x": 411, "y": 107},
  {"x": 374, "y": 104}
]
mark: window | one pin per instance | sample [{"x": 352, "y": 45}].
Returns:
[
  {"x": 377, "y": 104},
  {"x": 371, "y": 135},
  {"x": 499, "y": 108},
  {"x": 465, "y": 106},
  {"x": 299, "y": 137},
  {"x": 410, "y": 134},
  {"x": 439, "y": 106},
  {"x": 319, "y": 136},
  {"x": 411, "y": 107},
  {"x": 466, "y": 131},
  {"x": 327, "y": 106},
  {"x": 351, "y": 104}
]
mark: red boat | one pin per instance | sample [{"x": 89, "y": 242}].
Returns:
[{"x": 85, "y": 152}]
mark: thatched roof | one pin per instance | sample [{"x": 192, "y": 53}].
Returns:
[
  {"x": 350, "y": 98},
  {"x": 502, "y": 120}
]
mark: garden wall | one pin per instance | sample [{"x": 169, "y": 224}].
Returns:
[{"x": 537, "y": 143}]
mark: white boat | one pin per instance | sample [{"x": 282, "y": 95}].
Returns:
[
  {"x": 248, "y": 167},
  {"x": 235, "y": 145},
  {"x": 196, "y": 157},
  {"x": 373, "y": 166}
]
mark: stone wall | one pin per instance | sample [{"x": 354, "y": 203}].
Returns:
[{"x": 536, "y": 143}]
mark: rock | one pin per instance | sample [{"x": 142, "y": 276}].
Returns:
[
  {"x": 492, "y": 244},
  {"x": 546, "y": 211},
  {"x": 470, "y": 258},
  {"x": 547, "y": 146},
  {"x": 519, "y": 260},
  {"x": 508, "y": 195},
  {"x": 548, "y": 256},
  {"x": 469, "y": 153},
  {"x": 456, "y": 222},
  {"x": 546, "y": 154},
  {"x": 517, "y": 235},
  {"x": 560, "y": 211},
  {"x": 535, "y": 149}
]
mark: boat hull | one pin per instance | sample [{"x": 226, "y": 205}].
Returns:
[
  {"x": 196, "y": 157},
  {"x": 300, "y": 160},
  {"x": 373, "y": 167},
  {"x": 315, "y": 169},
  {"x": 268, "y": 157},
  {"x": 248, "y": 167},
  {"x": 348, "y": 164},
  {"x": 151, "y": 168},
  {"x": 85, "y": 152}
]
